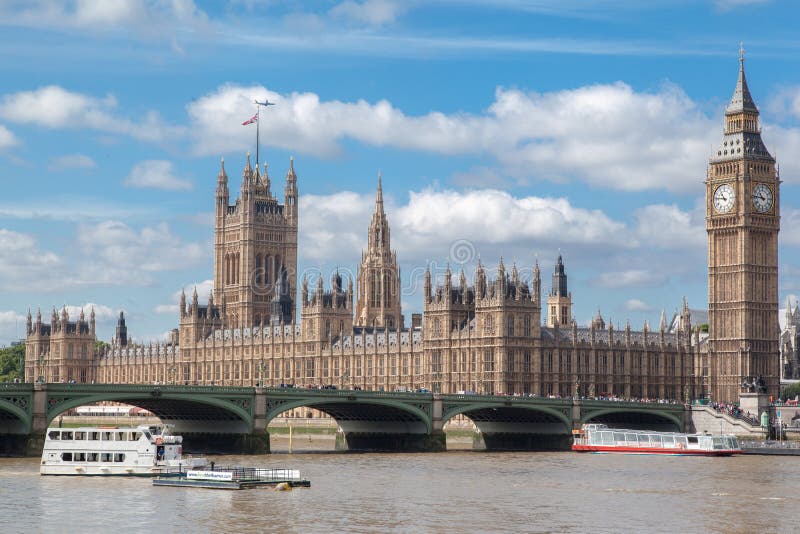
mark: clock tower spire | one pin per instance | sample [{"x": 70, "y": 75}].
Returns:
[{"x": 742, "y": 221}]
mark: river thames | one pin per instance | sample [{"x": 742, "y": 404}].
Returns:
[{"x": 444, "y": 492}]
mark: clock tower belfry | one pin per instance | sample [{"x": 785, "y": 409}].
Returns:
[{"x": 742, "y": 221}]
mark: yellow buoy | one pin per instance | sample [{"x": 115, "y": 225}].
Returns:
[{"x": 283, "y": 486}]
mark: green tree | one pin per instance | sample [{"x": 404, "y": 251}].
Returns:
[
  {"x": 11, "y": 361},
  {"x": 790, "y": 392}
]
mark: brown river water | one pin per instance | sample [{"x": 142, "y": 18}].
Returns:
[{"x": 457, "y": 491}]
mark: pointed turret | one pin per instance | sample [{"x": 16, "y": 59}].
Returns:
[
  {"x": 304, "y": 291},
  {"x": 182, "y": 304},
  {"x": 222, "y": 177},
  {"x": 663, "y": 324},
  {"x": 537, "y": 282},
  {"x": 290, "y": 192},
  {"x": 29, "y": 323},
  {"x": 428, "y": 283},
  {"x": 194, "y": 302},
  {"x": 379, "y": 195},
  {"x": 247, "y": 173},
  {"x": 742, "y": 100},
  {"x": 92, "y": 322}
]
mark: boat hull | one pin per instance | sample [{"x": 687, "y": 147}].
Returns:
[{"x": 653, "y": 450}]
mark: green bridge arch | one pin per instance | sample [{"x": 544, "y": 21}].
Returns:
[
  {"x": 277, "y": 406},
  {"x": 453, "y": 411},
  {"x": 664, "y": 414},
  {"x": 241, "y": 405}
]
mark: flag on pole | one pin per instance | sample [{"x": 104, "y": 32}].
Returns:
[{"x": 251, "y": 120}]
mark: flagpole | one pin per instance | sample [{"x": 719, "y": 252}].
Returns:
[{"x": 258, "y": 125}]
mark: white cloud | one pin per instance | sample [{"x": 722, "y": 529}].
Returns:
[
  {"x": 72, "y": 161},
  {"x": 728, "y": 5},
  {"x": 371, "y": 12},
  {"x": 12, "y": 327},
  {"x": 156, "y": 174},
  {"x": 70, "y": 208},
  {"x": 121, "y": 251},
  {"x": 102, "y": 313},
  {"x": 790, "y": 226},
  {"x": 433, "y": 221},
  {"x": 637, "y": 305},
  {"x": 55, "y": 107},
  {"x": 630, "y": 278},
  {"x": 7, "y": 138},
  {"x": 23, "y": 265},
  {"x": 666, "y": 226},
  {"x": 606, "y": 135},
  {"x": 153, "y": 19},
  {"x": 204, "y": 289}
]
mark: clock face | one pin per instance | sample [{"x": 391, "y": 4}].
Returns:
[
  {"x": 762, "y": 198},
  {"x": 723, "y": 198}
]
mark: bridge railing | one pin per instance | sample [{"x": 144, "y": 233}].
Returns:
[
  {"x": 148, "y": 388},
  {"x": 16, "y": 386}
]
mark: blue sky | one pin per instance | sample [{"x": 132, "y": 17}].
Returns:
[{"x": 507, "y": 127}]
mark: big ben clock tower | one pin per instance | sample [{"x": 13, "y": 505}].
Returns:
[{"x": 742, "y": 221}]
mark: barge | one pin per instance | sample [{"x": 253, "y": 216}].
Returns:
[{"x": 235, "y": 478}]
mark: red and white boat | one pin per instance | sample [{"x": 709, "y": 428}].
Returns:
[{"x": 600, "y": 438}]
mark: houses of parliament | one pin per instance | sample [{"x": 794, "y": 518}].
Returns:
[{"x": 494, "y": 334}]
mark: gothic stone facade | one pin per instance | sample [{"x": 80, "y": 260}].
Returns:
[{"x": 487, "y": 337}]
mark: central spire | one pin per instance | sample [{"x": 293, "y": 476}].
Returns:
[
  {"x": 741, "y": 100},
  {"x": 379, "y": 195}
]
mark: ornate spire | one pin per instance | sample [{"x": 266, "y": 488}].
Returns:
[
  {"x": 222, "y": 177},
  {"x": 290, "y": 174},
  {"x": 379, "y": 195},
  {"x": 741, "y": 100},
  {"x": 663, "y": 324}
]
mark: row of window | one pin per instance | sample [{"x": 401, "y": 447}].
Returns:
[
  {"x": 106, "y": 457},
  {"x": 80, "y": 435}
]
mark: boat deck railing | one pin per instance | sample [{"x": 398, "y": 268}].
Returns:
[
  {"x": 754, "y": 444},
  {"x": 247, "y": 474}
]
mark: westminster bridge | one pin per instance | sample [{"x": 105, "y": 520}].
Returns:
[{"x": 235, "y": 419}]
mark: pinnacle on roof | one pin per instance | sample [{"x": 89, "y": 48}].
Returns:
[
  {"x": 222, "y": 174},
  {"x": 741, "y": 100},
  {"x": 379, "y": 195},
  {"x": 290, "y": 175}
]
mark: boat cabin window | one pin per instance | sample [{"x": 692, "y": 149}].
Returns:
[
  {"x": 643, "y": 438},
  {"x": 631, "y": 438},
  {"x": 668, "y": 441},
  {"x": 147, "y": 435},
  {"x": 80, "y": 435},
  {"x": 619, "y": 436},
  {"x": 66, "y": 435},
  {"x": 79, "y": 456},
  {"x": 92, "y": 456},
  {"x": 135, "y": 436},
  {"x": 66, "y": 456},
  {"x": 54, "y": 434},
  {"x": 606, "y": 438},
  {"x": 121, "y": 436},
  {"x": 119, "y": 457},
  {"x": 692, "y": 439},
  {"x": 107, "y": 436},
  {"x": 94, "y": 436},
  {"x": 655, "y": 439}
]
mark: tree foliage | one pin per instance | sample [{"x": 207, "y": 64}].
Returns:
[
  {"x": 790, "y": 392},
  {"x": 11, "y": 361}
]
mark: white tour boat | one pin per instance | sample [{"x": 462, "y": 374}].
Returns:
[
  {"x": 600, "y": 438},
  {"x": 146, "y": 450}
]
